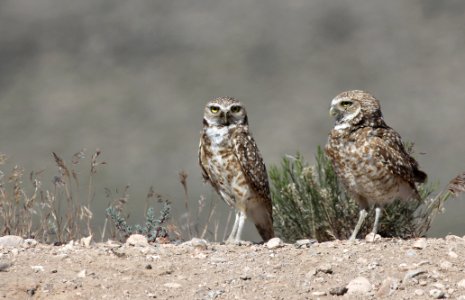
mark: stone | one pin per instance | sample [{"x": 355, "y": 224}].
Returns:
[
  {"x": 419, "y": 292},
  {"x": 4, "y": 267},
  {"x": 420, "y": 244},
  {"x": 11, "y": 241},
  {"x": 29, "y": 243},
  {"x": 388, "y": 287},
  {"x": 86, "y": 241},
  {"x": 172, "y": 285},
  {"x": 137, "y": 240},
  {"x": 37, "y": 269},
  {"x": 452, "y": 254},
  {"x": 437, "y": 294},
  {"x": 359, "y": 285},
  {"x": 371, "y": 237},
  {"x": 82, "y": 274},
  {"x": 461, "y": 284},
  {"x": 324, "y": 268},
  {"x": 445, "y": 265},
  {"x": 274, "y": 243},
  {"x": 319, "y": 294},
  {"x": 338, "y": 291},
  {"x": 200, "y": 244},
  {"x": 305, "y": 243},
  {"x": 411, "y": 274}
]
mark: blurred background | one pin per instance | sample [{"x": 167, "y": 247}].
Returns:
[{"x": 132, "y": 78}]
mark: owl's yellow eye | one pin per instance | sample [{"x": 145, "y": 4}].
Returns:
[
  {"x": 346, "y": 103},
  {"x": 235, "y": 109},
  {"x": 214, "y": 109}
]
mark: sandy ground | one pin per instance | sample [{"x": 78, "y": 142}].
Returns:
[{"x": 387, "y": 268}]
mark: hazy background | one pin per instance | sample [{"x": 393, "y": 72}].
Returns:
[{"x": 132, "y": 77}]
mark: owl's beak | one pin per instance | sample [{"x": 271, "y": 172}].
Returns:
[{"x": 332, "y": 111}]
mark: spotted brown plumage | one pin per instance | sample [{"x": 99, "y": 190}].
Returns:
[
  {"x": 368, "y": 156},
  {"x": 232, "y": 164}
]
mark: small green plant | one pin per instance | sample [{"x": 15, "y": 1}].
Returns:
[
  {"x": 153, "y": 228},
  {"x": 308, "y": 202}
]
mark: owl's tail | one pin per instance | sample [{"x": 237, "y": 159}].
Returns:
[{"x": 263, "y": 220}]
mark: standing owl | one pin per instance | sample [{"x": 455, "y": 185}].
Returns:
[
  {"x": 369, "y": 157},
  {"x": 231, "y": 162}
]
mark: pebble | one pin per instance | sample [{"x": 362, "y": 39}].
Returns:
[
  {"x": 359, "y": 285},
  {"x": 37, "y": 269},
  {"x": 452, "y": 254},
  {"x": 29, "y": 243},
  {"x": 86, "y": 241},
  {"x": 274, "y": 243},
  {"x": 82, "y": 274},
  {"x": 419, "y": 292},
  {"x": 420, "y": 244},
  {"x": 11, "y": 241},
  {"x": 461, "y": 284},
  {"x": 445, "y": 265},
  {"x": 411, "y": 274},
  {"x": 4, "y": 266},
  {"x": 370, "y": 238},
  {"x": 305, "y": 243},
  {"x": 388, "y": 287},
  {"x": 200, "y": 244},
  {"x": 437, "y": 294},
  {"x": 324, "y": 268},
  {"x": 137, "y": 240},
  {"x": 338, "y": 291},
  {"x": 319, "y": 294},
  {"x": 172, "y": 285}
]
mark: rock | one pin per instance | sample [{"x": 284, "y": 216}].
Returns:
[
  {"x": 86, "y": 241},
  {"x": 403, "y": 267},
  {"x": 338, "y": 291},
  {"x": 388, "y": 287},
  {"x": 319, "y": 294},
  {"x": 452, "y": 254},
  {"x": 82, "y": 274},
  {"x": 137, "y": 240},
  {"x": 445, "y": 265},
  {"x": 324, "y": 268},
  {"x": 359, "y": 285},
  {"x": 305, "y": 243},
  {"x": 200, "y": 244},
  {"x": 29, "y": 243},
  {"x": 411, "y": 274},
  {"x": 4, "y": 267},
  {"x": 274, "y": 243},
  {"x": 437, "y": 294},
  {"x": 172, "y": 285},
  {"x": 410, "y": 253},
  {"x": 372, "y": 237},
  {"x": 454, "y": 238},
  {"x": 37, "y": 269},
  {"x": 419, "y": 292},
  {"x": 420, "y": 244},
  {"x": 461, "y": 284},
  {"x": 11, "y": 241}
]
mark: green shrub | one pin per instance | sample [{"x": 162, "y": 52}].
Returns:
[{"x": 309, "y": 202}]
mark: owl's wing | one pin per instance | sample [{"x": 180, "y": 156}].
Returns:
[
  {"x": 251, "y": 162},
  {"x": 391, "y": 151},
  {"x": 202, "y": 159}
]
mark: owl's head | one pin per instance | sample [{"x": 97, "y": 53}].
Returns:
[
  {"x": 224, "y": 111},
  {"x": 355, "y": 107}
]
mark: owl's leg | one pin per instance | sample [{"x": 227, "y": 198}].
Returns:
[
  {"x": 361, "y": 218},
  {"x": 242, "y": 217},
  {"x": 232, "y": 235},
  {"x": 377, "y": 218}
]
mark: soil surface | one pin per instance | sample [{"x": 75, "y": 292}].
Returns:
[{"x": 386, "y": 268}]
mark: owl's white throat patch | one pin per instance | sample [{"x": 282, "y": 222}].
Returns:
[{"x": 218, "y": 134}]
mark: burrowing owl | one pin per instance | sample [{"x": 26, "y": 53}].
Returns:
[
  {"x": 368, "y": 155},
  {"x": 231, "y": 162}
]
